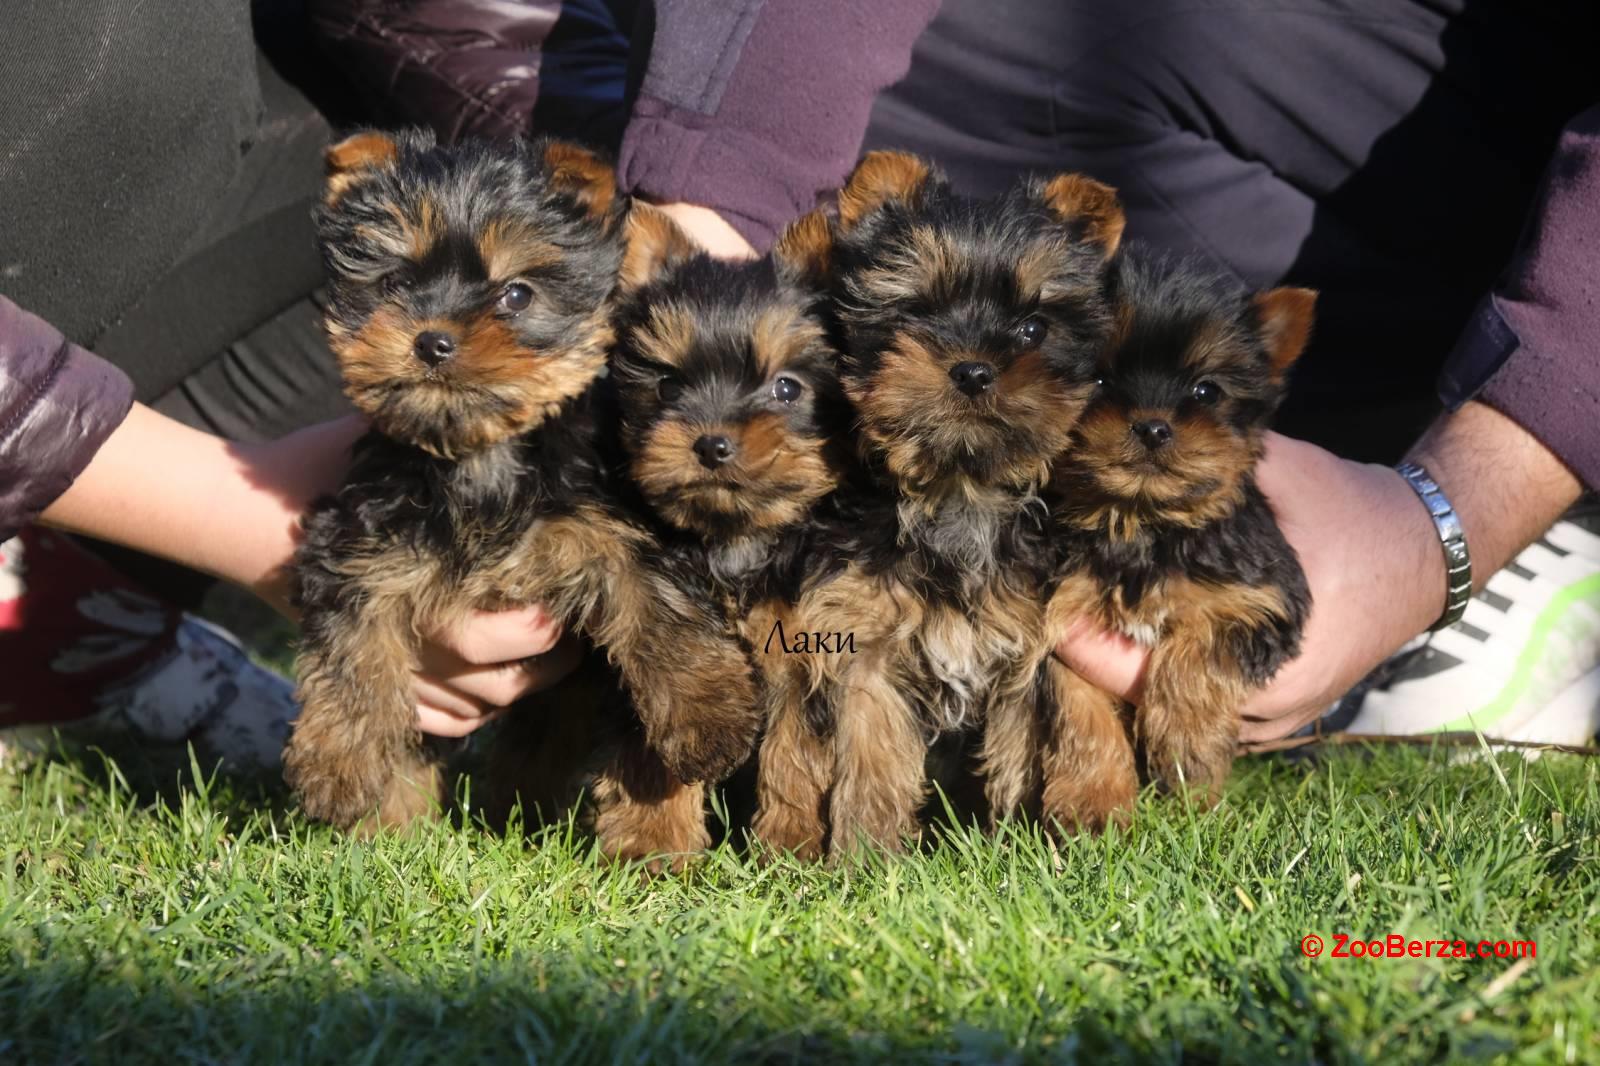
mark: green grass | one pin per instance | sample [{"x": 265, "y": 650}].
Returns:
[{"x": 209, "y": 923}]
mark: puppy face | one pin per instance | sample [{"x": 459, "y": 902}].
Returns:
[
  {"x": 727, "y": 386},
  {"x": 971, "y": 327},
  {"x": 469, "y": 284},
  {"x": 1189, "y": 382}
]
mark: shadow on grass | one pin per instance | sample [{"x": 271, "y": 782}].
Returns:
[{"x": 540, "y": 1010}]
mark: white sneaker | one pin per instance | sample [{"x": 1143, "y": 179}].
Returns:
[
  {"x": 1522, "y": 664},
  {"x": 206, "y": 692}
]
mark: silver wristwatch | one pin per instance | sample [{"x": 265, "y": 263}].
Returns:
[{"x": 1457, "y": 560}]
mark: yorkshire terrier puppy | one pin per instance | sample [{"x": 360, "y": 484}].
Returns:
[
  {"x": 1168, "y": 540},
  {"x": 470, "y": 310},
  {"x": 730, "y": 426},
  {"x": 969, "y": 332},
  {"x": 734, "y": 429}
]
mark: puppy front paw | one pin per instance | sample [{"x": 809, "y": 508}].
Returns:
[
  {"x": 703, "y": 714},
  {"x": 333, "y": 788}
]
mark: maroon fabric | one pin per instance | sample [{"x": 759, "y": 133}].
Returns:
[
  {"x": 71, "y": 629},
  {"x": 757, "y": 108},
  {"x": 463, "y": 67},
  {"x": 1549, "y": 303},
  {"x": 58, "y": 404}
]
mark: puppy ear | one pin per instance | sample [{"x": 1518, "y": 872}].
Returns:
[
  {"x": 1089, "y": 206},
  {"x": 584, "y": 175},
  {"x": 653, "y": 244},
  {"x": 358, "y": 153},
  {"x": 1285, "y": 320},
  {"x": 879, "y": 178},
  {"x": 804, "y": 249}
]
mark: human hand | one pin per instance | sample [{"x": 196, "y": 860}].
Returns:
[
  {"x": 1372, "y": 559},
  {"x": 469, "y": 674},
  {"x": 709, "y": 230}
]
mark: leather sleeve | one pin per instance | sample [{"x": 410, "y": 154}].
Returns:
[
  {"x": 58, "y": 404},
  {"x": 463, "y": 67}
]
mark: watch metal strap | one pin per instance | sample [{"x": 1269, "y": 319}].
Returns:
[{"x": 1457, "y": 560}]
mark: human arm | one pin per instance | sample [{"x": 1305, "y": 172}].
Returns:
[
  {"x": 234, "y": 511},
  {"x": 1511, "y": 461},
  {"x": 754, "y": 109}
]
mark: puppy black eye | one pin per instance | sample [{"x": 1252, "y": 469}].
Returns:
[
  {"x": 1207, "y": 392},
  {"x": 1032, "y": 331},
  {"x": 669, "y": 388},
  {"x": 516, "y": 297},
  {"x": 787, "y": 389},
  {"x": 392, "y": 285}
]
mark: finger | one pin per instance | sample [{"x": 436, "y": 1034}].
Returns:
[
  {"x": 487, "y": 638},
  {"x": 1107, "y": 660},
  {"x": 503, "y": 684},
  {"x": 1260, "y": 729},
  {"x": 441, "y": 697},
  {"x": 440, "y": 723}
]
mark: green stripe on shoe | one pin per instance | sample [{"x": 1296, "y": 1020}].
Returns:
[{"x": 1516, "y": 687}]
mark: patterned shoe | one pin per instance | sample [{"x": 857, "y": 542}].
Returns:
[
  {"x": 1522, "y": 664},
  {"x": 91, "y": 653},
  {"x": 206, "y": 691}
]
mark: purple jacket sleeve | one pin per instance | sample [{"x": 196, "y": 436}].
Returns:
[
  {"x": 1532, "y": 350},
  {"x": 757, "y": 107},
  {"x": 58, "y": 404}
]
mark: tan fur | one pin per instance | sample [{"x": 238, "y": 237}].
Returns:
[
  {"x": 644, "y": 813},
  {"x": 1038, "y": 270},
  {"x": 805, "y": 247},
  {"x": 911, "y": 412},
  {"x": 1079, "y": 198},
  {"x": 669, "y": 336},
  {"x": 1090, "y": 776},
  {"x": 590, "y": 179},
  {"x": 1217, "y": 345},
  {"x": 346, "y": 160},
  {"x": 488, "y": 357},
  {"x": 880, "y": 177},
  {"x": 878, "y": 767},
  {"x": 1187, "y": 723},
  {"x": 653, "y": 243},
  {"x": 1202, "y": 454},
  {"x": 510, "y": 250},
  {"x": 355, "y": 742},
  {"x": 795, "y": 766},
  {"x": 924, "y": 267},
  {"x": 1286, "y": 316},
  {"x": 780, "y": 334},
  {"x": 983, "y": 663},
  {"x": 667, "y": 469}
]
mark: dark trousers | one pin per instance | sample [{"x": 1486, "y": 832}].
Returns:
[{"x": 1383, "y": 152}]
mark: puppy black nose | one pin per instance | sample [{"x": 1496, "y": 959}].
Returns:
[
  {"x": 713, "y": 451},
  {"x": 1155, "y": 433},
  {"x": 433, "y": 348},
  {"x": 972, "y": 378}
]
